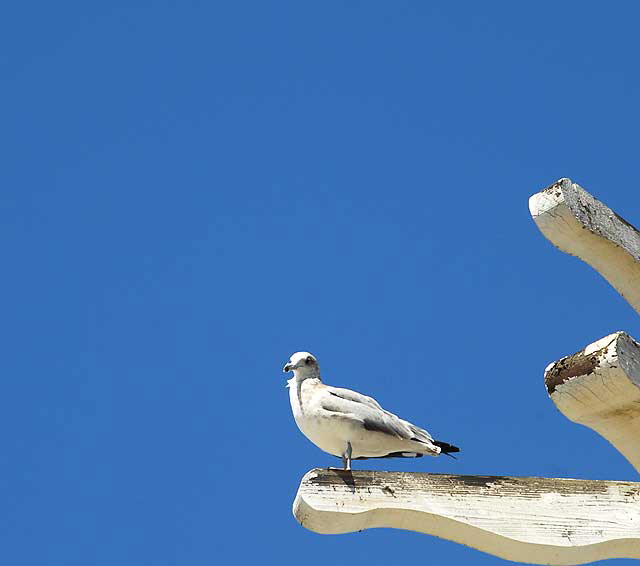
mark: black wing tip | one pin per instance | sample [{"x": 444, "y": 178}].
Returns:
[
  {"x": 445, "y": 447},
  {"x": 405, "y": 454}
]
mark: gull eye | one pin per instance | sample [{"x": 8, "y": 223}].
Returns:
[{"x": 309, "y": 360}]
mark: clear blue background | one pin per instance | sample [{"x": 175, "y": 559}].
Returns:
[{"x": 192, "y": 191}]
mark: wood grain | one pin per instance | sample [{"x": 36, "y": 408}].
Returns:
[
  {"x": 536, "y": 520},
  {"x": 599, "y": 387},
  {"x": 580, "y": 225},
  {"x": 533, "y": 520}
]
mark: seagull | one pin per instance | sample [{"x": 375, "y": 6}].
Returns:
[{"x": 350, "y": 425}]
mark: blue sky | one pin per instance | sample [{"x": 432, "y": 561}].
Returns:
[{"x": 192, "y": 191}]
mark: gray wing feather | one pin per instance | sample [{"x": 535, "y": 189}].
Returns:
[
  {"x": 354, "y": 396},
  {"x": 372, "y": 415}
]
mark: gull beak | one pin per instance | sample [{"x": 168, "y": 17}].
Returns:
[{"x": 287, "y": 367}]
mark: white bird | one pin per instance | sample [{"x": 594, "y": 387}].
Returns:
[{"x": 350, "y": 425}]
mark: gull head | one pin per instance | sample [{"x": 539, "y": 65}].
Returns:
[{"x": 303, "y": 365}]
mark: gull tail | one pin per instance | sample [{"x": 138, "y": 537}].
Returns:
[{"x": 446, "y": 448}]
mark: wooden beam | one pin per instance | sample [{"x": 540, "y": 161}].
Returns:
[
  {"x": 580, "y": 225},
  {"x": 534, "y": 520},
  {"x": 599, "y": 387}
]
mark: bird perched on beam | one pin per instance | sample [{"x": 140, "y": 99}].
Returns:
[{"x": 350, "y": 425}]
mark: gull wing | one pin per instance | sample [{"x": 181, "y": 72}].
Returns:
[
  {"x": 354, "y": 396},
  {"x": 371, "y": 415}
]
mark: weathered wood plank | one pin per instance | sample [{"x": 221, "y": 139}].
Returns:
[
  {"x": 535, "y": 520},
  {"x": 582, "y": 226},
  {"x": 599, "y": 387}
]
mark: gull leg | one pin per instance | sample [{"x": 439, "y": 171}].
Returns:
[{"x": 346, "y": 457}]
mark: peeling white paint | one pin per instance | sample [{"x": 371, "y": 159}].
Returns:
[
  {"x": 600, "y": 344},
  {"x": 578, "y": 224},
  {"x": 534, "y": 520},
  {"x": 607, "y": 399}
]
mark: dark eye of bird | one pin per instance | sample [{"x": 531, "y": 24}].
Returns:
[{"x": 309, "y": 360}]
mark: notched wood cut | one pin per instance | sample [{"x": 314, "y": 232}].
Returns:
[
  {"x": 535, "y": 520},
  {"x": 580, "y": 225},
  {"x": 532, "y": 520},
  {"x": 599, "y": 387}
]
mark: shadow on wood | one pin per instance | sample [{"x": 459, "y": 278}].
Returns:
[{"x": 536, "y": 520}]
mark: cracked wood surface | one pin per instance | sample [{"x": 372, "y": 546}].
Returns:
[
  {"x": 578, "y": 224},
  {"x": 535, "y": 520},
  {"x": 599, "y": 387}
]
